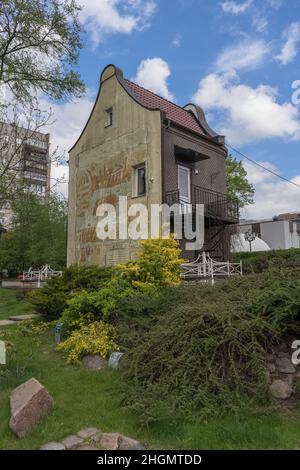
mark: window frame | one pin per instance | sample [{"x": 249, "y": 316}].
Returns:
[
  {"x": 108, "y": 117},
  {"x": 136, "y": 169}
]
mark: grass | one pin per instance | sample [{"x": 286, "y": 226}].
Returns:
[
  {"x": 9, "y": 305},
  {"x": 92, "y": 398}
]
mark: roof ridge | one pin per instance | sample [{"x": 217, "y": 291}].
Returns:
[{"x": 162, "y": 98}]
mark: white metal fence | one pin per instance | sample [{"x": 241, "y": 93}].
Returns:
[
  {"x": 205, "y": 268},
  {"x": 33, "y": 275}
]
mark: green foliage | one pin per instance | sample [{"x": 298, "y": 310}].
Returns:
[
  {"x": 257, "y": 262},
  {"x": 238, "y": 185},
  {"x": 39, "y": 46},
  {"x": 38, "y": 235},
  {"x": 95, "y": 338},
  {"x": 202, "y": 351},
  {"x": 157, "y": 264},
  {"x": 52, "y": 300}
]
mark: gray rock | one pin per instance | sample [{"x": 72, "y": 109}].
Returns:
[
  {"x": 94, "y": 362},
  {"x": 53, "y": 446},
  {"x": 110, "y": 441},
  {"x": 96, "y": 437},
  {"x": 283, "y": 354},
  {"x": 297, "y": 375},
  {"x": 285, "y": 365},
  {"x": 271, "y": 368},
  {"x": 281, "y": 389},
  {"x": 288, "y": 378},
  {"x": 71, "y": 442},
  {"x": 126, "y": 443},
  {"x": 28, "y": 403},
  {"x": 87, "y": 433},
  {"x": 87, "y": 448}
]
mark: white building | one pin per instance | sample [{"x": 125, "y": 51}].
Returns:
[{"x": 274, "y": 233}]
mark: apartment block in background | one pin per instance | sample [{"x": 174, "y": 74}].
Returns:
[{"x": 29, "y": 164}]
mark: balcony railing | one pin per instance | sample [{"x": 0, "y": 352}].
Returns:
[{"x": 216, "y": 205}]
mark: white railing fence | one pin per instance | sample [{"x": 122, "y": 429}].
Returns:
[
  {"x": 205, "y": 268},
  {"x": 39, "y": 275}
]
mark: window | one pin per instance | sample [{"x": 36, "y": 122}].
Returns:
[
  {"x": 139, "y": 181},
  {"x": 108, "y": 117}
]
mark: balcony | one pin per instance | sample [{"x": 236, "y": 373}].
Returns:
[{"x": 216, "y": 205}]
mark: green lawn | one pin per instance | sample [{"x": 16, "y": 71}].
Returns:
[
  {"x": 92, "y": 398},
  {"x": 9, "y": 305}
]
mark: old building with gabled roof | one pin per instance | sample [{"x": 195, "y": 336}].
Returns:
[{"x": 140, "y": 145}]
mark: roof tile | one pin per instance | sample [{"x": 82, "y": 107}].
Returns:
[{"x": 174, "y": 112}]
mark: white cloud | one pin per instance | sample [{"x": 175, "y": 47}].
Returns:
[
  {"x": 269, "y": 191},
  {"x": 236, "y": 8},
  {"x": 260, "y": 23},
  {"x": 244, "y": 55},
  {"x": 289, "y": 50},
  {"x": 177, "y": 40},
  {"x": 102, "y": 17},
  {"x": 275, "y": 3},
  {"x": 153, "y": 75},
  {"x": 247, "y": 114},
  {"x": 68, "y": 121}
]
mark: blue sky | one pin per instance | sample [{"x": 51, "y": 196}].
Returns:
[{"x": 236, "y": 59}]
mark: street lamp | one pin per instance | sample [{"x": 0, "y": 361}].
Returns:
[{"x": 250, "y": 237}]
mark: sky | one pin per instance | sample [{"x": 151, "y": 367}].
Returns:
[{"x": 238, "y": 60}]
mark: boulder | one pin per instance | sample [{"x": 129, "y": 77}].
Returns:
[
  {"x": 271, "y": 368},
  {"x": 28, "y": 403},
  {"x": 285, "y": 366},
  {"x": 94, "y": 362},
  {"x": 53, "y": 446},
  {"x": 110, "y": 441},
  {"x": 86, "y": 433},
  {"x": 71, "y": 442},
  {"x": 126, "y": 443},
  {"x": 87, "y": 448},
  {"x": 281, "y": 389}
]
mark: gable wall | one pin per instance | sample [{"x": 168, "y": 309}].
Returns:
[{"x": 101, "y": 170}]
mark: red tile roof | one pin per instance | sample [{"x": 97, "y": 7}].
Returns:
[{"x": 174, "y": 112}]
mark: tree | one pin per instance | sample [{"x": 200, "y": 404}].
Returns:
[
  {"x": 39, "y": 44},
  {"x": 38, "y": 234},
  {"x": 238, "y": 185}
]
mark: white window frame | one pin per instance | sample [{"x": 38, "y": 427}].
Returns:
[
  {"x": 109, "y": 117},
  {"x": 136, "y": 179},
  {"x": 188, "y": 171}
]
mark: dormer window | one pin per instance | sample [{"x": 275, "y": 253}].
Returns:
[{"x": 108, "y": 117}]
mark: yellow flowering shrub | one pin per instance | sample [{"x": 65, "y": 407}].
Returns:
[
  {"x": 95, "y": 338},
  {"x": 157, "y": 264}
]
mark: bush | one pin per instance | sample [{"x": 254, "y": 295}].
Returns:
[
  {"x": 52, "y": 299},
  {"x": 157, "y": 264},
  {"x": 86, "y": 307},
  {"x": 203, "y": 349},
  {"x": 96, "y": 338},
  {"x": 257, "y": 262}
]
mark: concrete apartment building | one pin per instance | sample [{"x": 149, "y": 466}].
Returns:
[
  {"x": 142, "y": 146},
  {"x": 30, "y": 164}
]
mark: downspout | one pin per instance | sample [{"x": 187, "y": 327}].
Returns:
[{"x": 163, "y": 136}]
